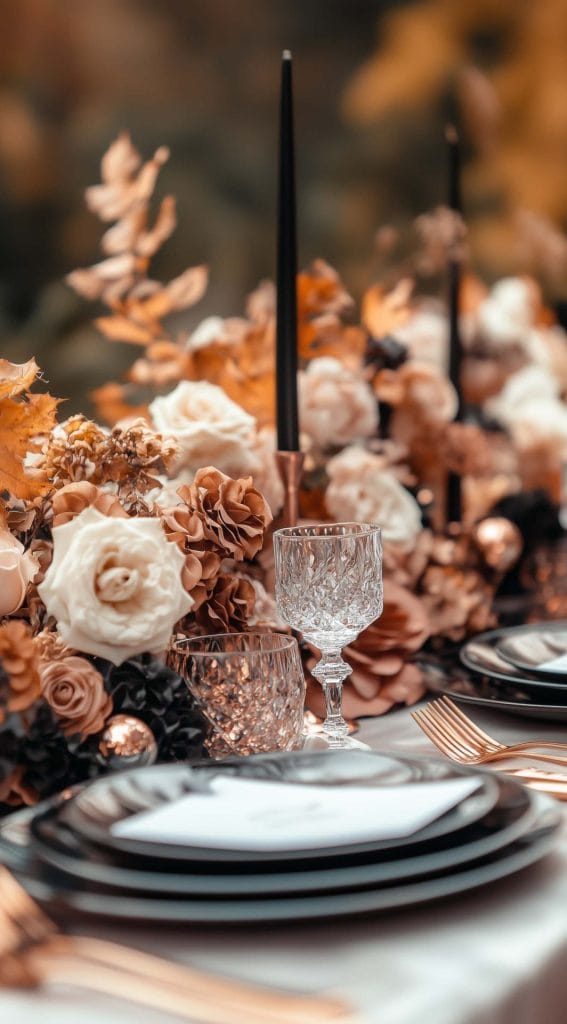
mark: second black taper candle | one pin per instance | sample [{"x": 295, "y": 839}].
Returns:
[{"x": 286, "y": 274}]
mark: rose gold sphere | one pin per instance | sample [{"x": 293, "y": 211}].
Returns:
[
  {"x": 499, "y": 541},
  {"x": 127, "y": 743}
]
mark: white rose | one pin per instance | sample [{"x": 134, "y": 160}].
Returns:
[
  {"x": 114, "y": 586},
  {"x": 507, "y": 314},
  {"x": 336, "y": 405},
  {"x": 530, "y": 384},
  {"x": 541, "y": 421},
  {"x": 426, "y": 336},
  {"x": 362, "y": 491},
  {"x": 209, "y": 427}
]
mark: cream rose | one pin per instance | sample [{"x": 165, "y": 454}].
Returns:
[
  {"x": 336, "y": 404},
  {"x": 361, "y": 490},
  {"x": 209, "y": 427},
  {"x": 114, "y": 586},
  {"x": 426, "y": 336},
  {"x": 17, "y": 569},
  {"x": 506, "y": 316}
]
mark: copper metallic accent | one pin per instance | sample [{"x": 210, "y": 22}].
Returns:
[{"x": 290, "y": 466}]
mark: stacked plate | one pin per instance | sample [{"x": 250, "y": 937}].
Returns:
[
  {"x": 521, "y": 669},
  {"x": 162, "y": 843}
]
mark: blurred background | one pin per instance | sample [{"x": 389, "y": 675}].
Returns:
[{"x": 375, "y": 83}]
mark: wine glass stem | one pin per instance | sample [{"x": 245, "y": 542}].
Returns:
[{"x": 330, "y": 671}]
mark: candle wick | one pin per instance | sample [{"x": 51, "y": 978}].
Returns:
[{"x": 286, "y": 55}]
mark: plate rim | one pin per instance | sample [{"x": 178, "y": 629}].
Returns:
[{"x": 490, "y": 634}]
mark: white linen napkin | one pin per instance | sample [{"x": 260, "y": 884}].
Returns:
[{"x": 252, "y": 814}]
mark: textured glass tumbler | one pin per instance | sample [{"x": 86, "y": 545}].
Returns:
[
  {"x": 249, "y": 686},
  {"x": 329, "y": 588}
]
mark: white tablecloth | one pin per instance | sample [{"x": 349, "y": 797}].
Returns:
[{"x": 494, "y": 956}]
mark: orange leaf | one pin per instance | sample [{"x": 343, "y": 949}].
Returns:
[
  {"x": 20, "y": 424},
  {"x": 383, "y": 312},
  {"x": 111, "y": 404},
  {"x": 119, "y": 328},
  {"x": 180, "y": 293},
  {"x": 16, "y": 377}
]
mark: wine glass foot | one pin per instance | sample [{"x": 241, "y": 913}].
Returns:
[{"x": 322, "y": 742}]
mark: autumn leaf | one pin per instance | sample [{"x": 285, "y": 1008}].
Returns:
[
  {"x": 21, "y": 424},
  {"x": 111, "y": 402},
  {"x": 16, "y": 377},
  {"x": 180, "y": 293},
  {"x": 383, "y": 312},
  {"x": 120, "y": 328}
]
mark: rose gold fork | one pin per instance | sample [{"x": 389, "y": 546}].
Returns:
[
  {"x": 33, "y": 951},
  {"x": 460, "y": 739}
]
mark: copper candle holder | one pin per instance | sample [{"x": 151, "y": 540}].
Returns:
[{"x": 290, "y": 466}]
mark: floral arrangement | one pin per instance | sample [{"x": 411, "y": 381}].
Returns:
[
  {"x": 377, "y": 410},
  {"x": 114, "y": 537}
]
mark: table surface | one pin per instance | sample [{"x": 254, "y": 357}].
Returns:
[{"x": 493, "y": 956}]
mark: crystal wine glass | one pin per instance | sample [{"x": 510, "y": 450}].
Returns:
[{"x": 329, "y": 588}]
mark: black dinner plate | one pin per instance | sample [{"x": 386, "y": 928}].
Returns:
[
  {"x": 529, "y": 648},
  {"x": 103, "y": 803},
  {"x": 482, "y": 655},
  {"x": 460, "y": 684},
  {"x": 67, "y": 897}
]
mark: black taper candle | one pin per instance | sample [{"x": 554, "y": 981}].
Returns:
[
  {"x": 286, "y": 309},
  {"x": 453, "y": 499}
]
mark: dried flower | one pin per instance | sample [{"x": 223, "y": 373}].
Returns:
[
  {"x": 235, "y": 514},
  {"x": 229, "y": 608},
  {"x": 75, "y": 692},
  {"x": 72, "y": 499},
  {"x": 20, "y": 662},
  {"x": 185, "y": 526}
]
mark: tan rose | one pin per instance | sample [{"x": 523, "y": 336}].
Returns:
[
  {"x": 17, "y": 569},
  {"x": 336, "y": 404},
  {"x": 75, "y": 691},
  {"x": 230, "y": 606}
]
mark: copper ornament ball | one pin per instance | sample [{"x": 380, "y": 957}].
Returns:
[
  {"x": 499, "y": 541},
  {"x": 127, "y": 742}
]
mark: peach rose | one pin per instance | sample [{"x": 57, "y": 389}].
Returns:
[
  {"x": 114, "y": 585},
  {"x": 75, "y": 691},
  {"x": 17, "y": 569},
  {"x": 336, "y": 404}
]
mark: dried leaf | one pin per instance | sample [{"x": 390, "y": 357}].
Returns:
[
  {"x": 21, "y": 423},
  {"x": 383, "y": 312},
  {"x": 119, "y": 328},
  {"x": 149, "y": 242},
  {"x": 123, "y": 235},
  {"x": 121, "y": 159},
  {"x": 117, "y": 198},
  {"x": 16, "y": 377},
  {"x": 180, "y": 293},
  {"x": 111, "y": 403}
]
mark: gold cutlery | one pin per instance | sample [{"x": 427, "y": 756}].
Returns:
[
  {"x": 33, "y": 951},
  {"x": 460, "y": 739}
]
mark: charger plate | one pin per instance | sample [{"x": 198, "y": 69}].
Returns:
[
  {"x": 457, "y": 682},
  {"x": 64, "y": 900}
]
